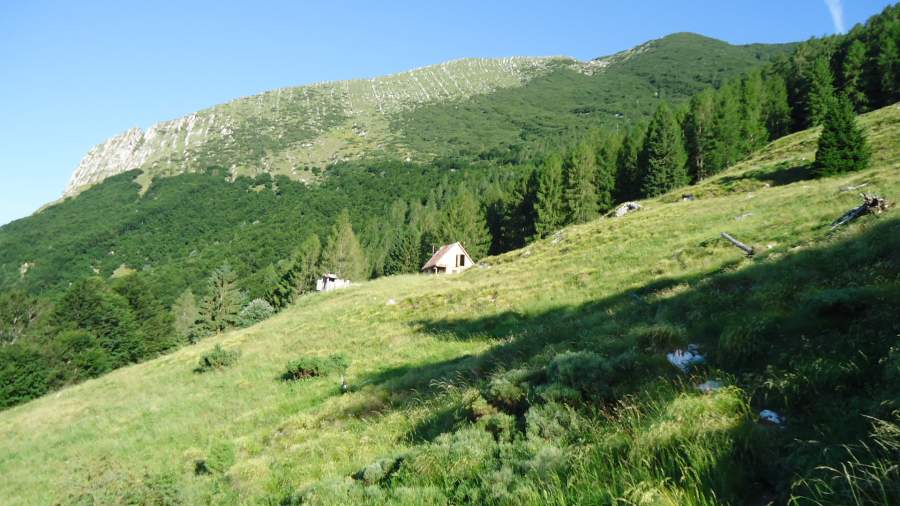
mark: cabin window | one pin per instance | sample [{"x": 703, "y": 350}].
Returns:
[{"x": 461, "y": 261}]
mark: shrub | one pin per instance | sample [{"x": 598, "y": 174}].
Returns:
[
  {"x": 217, "y": 358},
  {"x": 221, "y": 457},
  {"x": 587, "y": 372},
  {"x": 658, "y": 337},
  {"x": 254, "y": 312},
  {"x": 313, "y": 367}
]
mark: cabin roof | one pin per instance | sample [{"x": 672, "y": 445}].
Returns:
[{"x": 433, "y": 261}]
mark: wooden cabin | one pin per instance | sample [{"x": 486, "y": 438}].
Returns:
[{"x": 448, "y": 259}]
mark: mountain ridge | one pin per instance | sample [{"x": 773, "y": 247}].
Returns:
[{"x": 291, "y": 130}]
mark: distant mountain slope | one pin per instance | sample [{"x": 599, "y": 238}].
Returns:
[{"x": 420, "y": 114}]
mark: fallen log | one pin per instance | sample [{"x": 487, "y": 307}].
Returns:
[
  {"x": 738, "y": 244},
  {"x": 871, "y": 204}
]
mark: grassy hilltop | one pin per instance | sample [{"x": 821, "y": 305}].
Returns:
[{"x": 539, "y": 377}]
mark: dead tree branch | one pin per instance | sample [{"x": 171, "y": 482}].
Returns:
[{"x": 871, "y": 204}]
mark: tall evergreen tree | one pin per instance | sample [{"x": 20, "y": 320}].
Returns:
[
  {"x": 549, "y": 207},
  {"x": 581, "y": 191},
  {"x": 700, "y": 134},
  {"x": 777, "y": 108},
  {"x": 464, "y": 221},
  {"x": 753, "y": 120},
  {"x": 821, "y": 91},
  {"x": 854, "y": 65},
  {"x": 663, "y": 154},
  {"x": 605, "y": 178},
  {"x": 186, "y": 313},
  {"x": 628, "y": 170},
  {"x": 343, "y": 254},
  {"x": 842, "y": 145},
  {"x": 727, "y": 143},
  {"x": 404, "y": 253},
  {"x": 221, "y": 305},
  {"x": 889, "y": 64}
]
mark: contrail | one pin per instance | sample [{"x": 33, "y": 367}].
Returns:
[{"x": 837, "y": 14}]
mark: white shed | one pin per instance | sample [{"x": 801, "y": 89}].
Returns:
[
  {"x": 329, "y": 282},
  {"x": 449, "y": 259}
]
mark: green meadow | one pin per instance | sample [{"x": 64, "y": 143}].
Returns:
[{"x": 538, "y": 376}]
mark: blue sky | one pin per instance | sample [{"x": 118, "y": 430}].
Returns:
[{"x": 76, "y": 73}]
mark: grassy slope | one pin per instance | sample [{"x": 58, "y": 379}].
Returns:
[{"x": 406, "y": 357}]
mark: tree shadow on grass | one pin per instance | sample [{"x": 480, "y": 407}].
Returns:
[
  {"x": 782, "y": 174},
  {"x": 815, "y": 324}
]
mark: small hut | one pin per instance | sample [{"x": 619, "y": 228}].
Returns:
[
  {"x": 449, "y": 258},
  {"x": 329, "y": 282}
]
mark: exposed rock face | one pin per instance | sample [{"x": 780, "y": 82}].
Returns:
[{"x": 307, "y": 125}]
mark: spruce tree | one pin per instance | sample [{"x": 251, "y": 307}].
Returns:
[
  {"x": 464, "y": 221},
  {"x": 628, "y": 171},
  {"x": 842, "y": 145},
  {"x": 343, "y": 255},
  {"x": 581, "y": 191},
  {"x": 778, "y": 108},
  {"x": 549, "y": 210},
  {"x": 221, "y": 305},
  {"x": 821, "y": 91},
  {"x": 699, "y": 134},
  {"x": 404, "y": 254},
  {"x": 753, "y": 134},
  {"x": 889, "y": 67},
  {"x": 854, "y": 64},
  {"x": 727, "y": 143},
  {"x": 663, "y": 154},
  {"x": 605, "y": 178},
  {"x": 186, "y": 313}
]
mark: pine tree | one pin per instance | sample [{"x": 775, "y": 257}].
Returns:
[
  {"x": 889, "y": 67},
  {"x": 464, "y": 221},
  {"x": 663, "y": 154},
  {"x": 842, "y": 145},
  {"x": 854, "y": 64},
  {"x": 298, "y": 275},
  {"x": 581, "y": 191},
  {"x": 220, "y": 307},
  {"x": 778, "y": 108},
  {"x": 343, "y": 255},
  {"x": 549, "y": 210},
  {"x": 186, "y": 313},
  {"x": 628, "y": 173},
  {"x": 605, "y": 178},
  {"x": 404, "y": 253},
  {"x": 699, "y": 134},
  {"x": 821, "y": 91},
  {"x": 726, "y": 149},
  {"x": 753, "y": 120}
]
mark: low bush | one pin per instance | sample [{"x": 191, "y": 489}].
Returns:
[
  {"x": 589, "y": 373},
  {"x": 254, "y": 312},
  {"x": 658, "y": 337},
  {"x": 313, "y": 367},
  {"x": 217, "y": 358}
]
